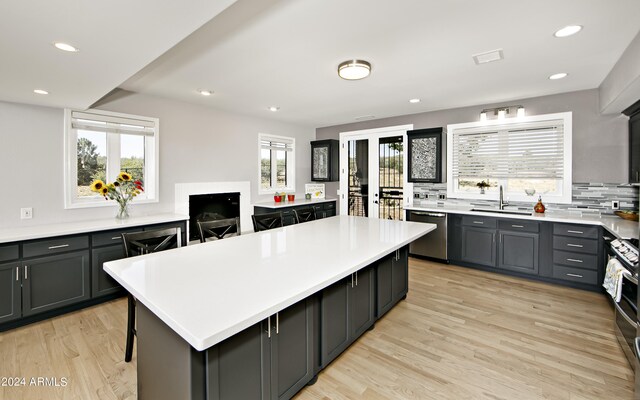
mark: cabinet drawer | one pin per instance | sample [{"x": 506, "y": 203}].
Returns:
[
  {"x": 575, "y": 260},
  {"x": 582, "y": 231},
  {"x": 479, "y": 221},
  {"x": 110, "y": 237},
  {"x": 578, "y": 245},
  {"x": 575, "y": 274},
  {"x": 330, "y": 205},
  {"x": 55, "y": 245},
  {"x": 8, "y": 253},
  {"x": 518, "y": 225}
]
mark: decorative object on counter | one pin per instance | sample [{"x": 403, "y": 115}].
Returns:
[
  {"x": 482, "y": 185},
  {"x": 277, "y": 198},
  {"x": 291, "y": 197},
  {"x": 307, "y": 196},
  {"x": 122, "y": 190},
  {"x": 627, "y": 214},
  {"x": 316, "y": 190},
  {"x": 530, "y": 192},
  {"x": 539, "y": 207}
]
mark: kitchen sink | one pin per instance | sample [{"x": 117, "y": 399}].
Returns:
[{"x": 492, "y": 210}]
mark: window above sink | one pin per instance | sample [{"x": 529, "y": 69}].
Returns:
[{"x": 527, "y": 156}]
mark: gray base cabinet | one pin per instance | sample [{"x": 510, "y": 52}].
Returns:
[
  {"x": 392, "y": 280},
  {"x": 347, "y": 310},
  {"x": 102, "y": 283},
  {"x": 323, "y": 210},
  {"x": 10, "y": 299},
  {"x": 54, "y": 281},
  {"x": 479, "y": 246},
  {"x": 518, "y": 251}
]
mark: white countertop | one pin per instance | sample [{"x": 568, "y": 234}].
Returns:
[
  {"x": 211, "y": 291},
  {"x": 619, "y": 227},
  {"x": 72, "y": 228},
  {"x": 297, "y": 202}
]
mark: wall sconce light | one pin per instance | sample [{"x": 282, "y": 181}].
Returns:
[{"x": 502, "y": 112}]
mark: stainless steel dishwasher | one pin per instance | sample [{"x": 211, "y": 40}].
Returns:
[{"x": 434, "y": 243}]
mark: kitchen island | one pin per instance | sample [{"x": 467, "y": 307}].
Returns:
[{"x": 254, "y": 304}]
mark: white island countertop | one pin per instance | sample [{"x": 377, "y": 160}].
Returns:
[
  {"x": 619, "y": 227},
  {"x": 78, "y": 227},
  {"x": 209, "y": 292}
]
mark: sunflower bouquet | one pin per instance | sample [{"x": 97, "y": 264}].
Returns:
[{"x": 122, "y": 190}]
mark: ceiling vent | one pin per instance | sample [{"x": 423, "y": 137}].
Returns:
[
  {"x": 365, "y": 117},
  {"x": 488, "y": 56}
]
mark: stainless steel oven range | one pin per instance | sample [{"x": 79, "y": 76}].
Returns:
[{"x": 626, "y": 310}]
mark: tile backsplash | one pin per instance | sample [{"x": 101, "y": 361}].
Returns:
[{"x": 592, "y": 198}]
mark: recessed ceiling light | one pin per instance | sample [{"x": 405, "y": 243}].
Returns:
[
  {"x": 568, "y": 31},
  {"x": 558, "y": 76},
  {"x": 205, "y": 92},
  {"x": 66, "y": 47},
  {"x": 40, "y": 91},
  {"x": 354, "y": 69},
  {"x": 414, "y": 101},
  {"x": 274, "y": 108}
]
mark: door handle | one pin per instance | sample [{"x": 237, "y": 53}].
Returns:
[
  {"x": 375, "y": 202},
  {"x": 636, "y": 346}
]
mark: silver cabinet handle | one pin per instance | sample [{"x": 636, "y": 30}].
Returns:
[
  {"x": 428, "y": 214},
  {"x": 575, "y": 245},
  {"x": 580, "y": 232},
  {"x": 575, "y": 275},
  {"x": 269, "y": 326},
  {"x": 517, "y": 226},
  {"x": 356, "y": 278},
  {"x": 478, "y": 222},
  {"x": 17, "y": 274},
  {"x": 574, "y": 260},
  {"x": 351, "y": 280},
  {"x": 116, "y": 238},
  {"x": 277, "y": 323},
  {"x": 26, "y": 272},
  {"x": 60, "y": 246},
  {"x": 637, "y": 347}
]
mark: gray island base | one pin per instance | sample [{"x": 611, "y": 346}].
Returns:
[{"x": 258, "y": 316}]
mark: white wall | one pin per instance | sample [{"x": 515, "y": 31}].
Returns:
[{"x": 196, "y": 144}]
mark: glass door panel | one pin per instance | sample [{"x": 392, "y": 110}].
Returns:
[
  {"x": 390, "y": 180},
  {"x": 358, "y": 156}
]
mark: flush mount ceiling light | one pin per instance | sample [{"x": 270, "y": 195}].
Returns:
[
  {"x": 414, "y": 101},
  {"x": 273, "y": 108},
  {"x": 205, "y": 92},
  {"x": 40, "y": 91},
  {"x": 558, "y": 76},
  {"x": 66, "y": 47},
  {"x": 354, "y": 69},
  {"x": 567, "y": 31}
]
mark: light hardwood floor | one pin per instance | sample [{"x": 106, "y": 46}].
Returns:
[{"x": 460, "y": 334}]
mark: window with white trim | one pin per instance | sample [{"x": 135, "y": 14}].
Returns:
[
  {"x": 276, "y": 163},
  {"x": 528, "y": 156},
  {"x": 100, "y": 145}
]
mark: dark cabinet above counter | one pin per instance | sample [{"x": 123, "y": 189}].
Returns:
[
  {"x": 425, "y": 155},
  {"x": 633, "y": 113},
  {"x": 325, "y": 160}
]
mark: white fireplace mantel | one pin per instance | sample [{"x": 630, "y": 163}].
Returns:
[{"x": 184, "y": 190}]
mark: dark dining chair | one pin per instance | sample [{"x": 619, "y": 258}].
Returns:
[
  {"x": 218, "y": 228},
  {"x": 137, "y": 244},
  {"x": 304, "y": 214},
  {"x": 263, "y": 222}
]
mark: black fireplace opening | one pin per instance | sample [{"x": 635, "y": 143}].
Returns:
[{"x": 207, "y": 207}]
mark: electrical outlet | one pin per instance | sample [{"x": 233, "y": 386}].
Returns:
[
  {"x": 416, "y": 195},
  {"x": 26, "y": 213},
  {"x": 615, "y": 204},
  {"x": 442, "y": 196}
]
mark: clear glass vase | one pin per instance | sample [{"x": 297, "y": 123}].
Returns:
[{"x": 123, "y": 211}]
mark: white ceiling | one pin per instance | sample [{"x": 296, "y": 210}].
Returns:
[{"x": 259, "y": 53}]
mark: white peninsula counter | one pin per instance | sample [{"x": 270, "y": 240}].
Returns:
[{"x": 207, "y": 293}]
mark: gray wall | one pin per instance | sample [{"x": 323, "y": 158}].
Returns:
[
  {"x": 196, "y": 144},
  {"x": 621, "y": 87},
  {"x": 600, "y": 142}
]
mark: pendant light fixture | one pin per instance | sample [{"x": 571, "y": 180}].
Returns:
[{"x": 354, "y": 69}]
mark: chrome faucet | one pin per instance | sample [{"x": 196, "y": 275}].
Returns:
[{"x": 502, "y": 202}]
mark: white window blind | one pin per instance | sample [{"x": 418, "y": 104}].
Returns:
[
  {"x": 112, "y": 124},
  {"x": 533, "y": 150}
]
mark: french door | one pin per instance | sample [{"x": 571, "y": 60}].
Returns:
[{"x": 373, "y": 182}]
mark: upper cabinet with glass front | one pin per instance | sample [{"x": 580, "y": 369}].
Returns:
[
  {"x": 325, "y": 159},
  {"x": 425, "y": 155}
]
